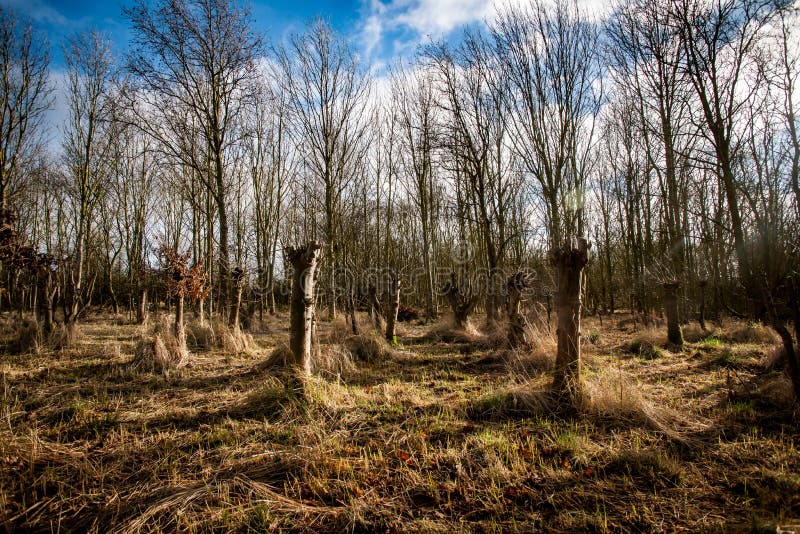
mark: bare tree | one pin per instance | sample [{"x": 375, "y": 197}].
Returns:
[
  {"x": 24, "y": 95},
  {"x": 414, "y": 105},
  {"x": 200, "y": 57},
  {"x": 473, "y": 100},
  {"x": 328, "y": 93},
  {"x": 87, "y": 150},
  {"x": 548, "y": 55},
  {"x": 719, "y": 41}
]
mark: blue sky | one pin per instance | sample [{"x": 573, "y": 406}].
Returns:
[{"x": 379, "y": 29}]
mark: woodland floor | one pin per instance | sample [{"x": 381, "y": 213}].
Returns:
[{"x": 437, "y": 437}]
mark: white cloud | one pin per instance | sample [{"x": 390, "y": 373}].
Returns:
[
  {"x": 438, "y": 17},
  {"x": 401, "y": 25},
  {"x": 38, "y": 11}
]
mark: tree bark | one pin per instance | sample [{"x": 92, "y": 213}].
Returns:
[
  {"x": 304, "y": 260},
  {"x": 674, "y": 334},
  {"x": 394, "y": 305},
  {"x": 351, "y": 301},
  {"x": 142, "y": 308},
  {"x": 569, "y": 261},
  {"x": 702, "y": 318},
  {"x": 791, "y": 355},
  {"x": 461, "y": 303},
  {"x": 516, "y": 284},
  {"x": 45, "y": 302},
  {"x": 376, "y": 310},
  {"x": 237, "y": 276}
]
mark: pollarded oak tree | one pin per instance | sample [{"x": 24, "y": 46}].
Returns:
[
  {"x": 569, "y": 261},
  {"x": 305, "y": 262}
]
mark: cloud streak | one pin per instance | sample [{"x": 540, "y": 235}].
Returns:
[{"x": 395, "y": 27}]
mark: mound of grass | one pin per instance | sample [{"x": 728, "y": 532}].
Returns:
[
  {"x": 527, "y": 363},
  {"x": 24, "y": 338},
  {"x": 201, "y": 336},
  {"x": 161, "y": 352},
  {"x": 368, "y": 347},
  {"x": 749, "y": 332},
  {"x": 655, "y": 467},
  {"x": 446, "y": 332},
  {"x": 647, "y": 345}
]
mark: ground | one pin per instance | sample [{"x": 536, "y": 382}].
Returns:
[{"x": 432, "y": 437}]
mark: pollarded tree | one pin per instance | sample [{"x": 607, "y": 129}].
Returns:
[
  {"x": 569, "y": 261},
  {"x": 305, "y": 261}
]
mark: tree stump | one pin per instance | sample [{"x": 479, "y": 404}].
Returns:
[
  {"x": 462, "y": 303},
  {"x": 238, "y": 278},
  {"x": 351, "y": 310},
  {"x": 702, "y": 284},
  {"x": 375, "y": 308},
  {"x": 569, "y": 262},
  {"x": 674, "y": 334},
  {"x": 516, "y": 285},
  {"x": 394, "y": 305},
  {"x": 304, "y": 260}
]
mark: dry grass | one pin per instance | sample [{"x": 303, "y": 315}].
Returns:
[
  {"x": 446, "y": 331},
  {"x": 64, "y": 336},
  {"x": 220, "y": 336},
  {"x": 368, "y": 347},
  {"x": 161, "y": 352},
  {"x": 748, "y": 332},
  {"x": 279, "y": 358},
  {"x": 615, "y": 396},
  {"x": 234, "y": 340},
  {"x": 537, "y": 358},
  {"x": 201, "y": 336},
  {"x": 430, "y": 440},
  {"x": 648, "y": 343},
  {"x": 24, "y": 337}
]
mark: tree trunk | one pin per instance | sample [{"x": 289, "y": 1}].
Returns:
[
  {"x": 180, "y": 331},
  {"x": 702, "y": 318},
  {"x": 237, "y": 277},
  {"x": 569, "y": 262},
  {"x": 674, "y": 334},
  {"x": 375, "y": 308},
  {"x": 461, "y": 303},
  {"x": 45, "y": 303},
  {"x": 516, "y": 284},
  {"x": 394, "y": 305},
  {"x": 142, "y": 309},
  {"x": 304, "y": 260},
  {"x": 791, "y": 356},
  {"x": 351, "y": 301}
]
